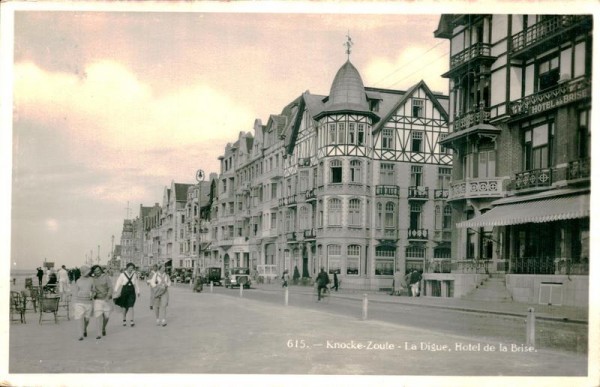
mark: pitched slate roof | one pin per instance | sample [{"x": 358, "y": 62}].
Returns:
[{"x": 181, "y": 191}]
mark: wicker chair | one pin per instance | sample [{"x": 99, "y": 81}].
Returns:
[
  {"x": 65, "y": 304},
  {"x": 17, "y": 305},
  {"x": 49, "y": 304},
  {"x": 31, "y": 296}
]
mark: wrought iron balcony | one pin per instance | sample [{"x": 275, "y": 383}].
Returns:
[
  {"x": 418, "y": 192},
  {"x": 550, "y": 32},
  {"x": 532, "y": 265},
  {"x": 579, "y": 169},
  {"x": 387, "y": 190},
  {"x": 440, "y": 194},
  {"x": 533, "y": 178},
  {"x": 479, "y": 115},
  {"x": 418, "y": 233},
  {"x": 559, "y": 95},
  {"x": 310, "y": 234}
]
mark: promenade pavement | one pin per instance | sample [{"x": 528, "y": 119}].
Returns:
[{"x": 229, "y": 336}]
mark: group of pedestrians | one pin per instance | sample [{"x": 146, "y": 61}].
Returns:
[
  {"x": 93, "y": 296},
  {"x": 159, "y": 282}
]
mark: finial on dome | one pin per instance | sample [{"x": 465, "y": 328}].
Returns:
[{"x": 348, "y": 45}]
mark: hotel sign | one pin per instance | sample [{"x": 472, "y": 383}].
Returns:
[{"x": 559, "y": 96}]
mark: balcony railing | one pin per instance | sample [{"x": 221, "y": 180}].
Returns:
[
  {"x": 387, "y": 190},
  {"x": 441, "y": 193},
  {"x": 561, "y": 94},
  {"x": 475, "y": 51},
  {"x": 310, "y": 234},
  {"x": 532, "y": 265},
  {"x": 418, "y": 233},
  {"x": 475, "y": 188},
  {"x": 471, "y": 266},
  {"x": 579, "y": 169},
  {"x": 418, "y": 192},
  {"x": 545, "y": 29},
  {"x": 479, "y": 115},
  {"x": 438, "y": 266},
  {"x": 533, "y": 178},
  {"x": 310, "y": 194}
]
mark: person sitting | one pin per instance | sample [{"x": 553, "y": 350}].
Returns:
[{"x": 52, "y": 283}]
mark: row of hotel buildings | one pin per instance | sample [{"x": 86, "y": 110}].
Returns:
[{"x": 491, "y": 180}]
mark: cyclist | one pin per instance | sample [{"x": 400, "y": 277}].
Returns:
[{"x": 322, "y": 282}]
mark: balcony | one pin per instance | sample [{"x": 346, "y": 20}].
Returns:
[
  {"x": 478, "y": 188},
  {"x": 442, "y": 236},
  {"x": 387, "y": 190},
  {"x": 418, "y": 192},
  {"x": 441, "y": 194},
  {"x": 533, "y": 179},
  {"x": 418, "y": 234},
  {"x": 579, "y": 170},
  {"x": 562, "y": 94},
  {"x": 438, "y": 266},
  {"x": 469, "y": 58},
  {"x": 310, "y": 195},
  {"x": 479, "y": 115},
  {"x": 548, "y": 33},
  {"x": 310, "y": 234}
]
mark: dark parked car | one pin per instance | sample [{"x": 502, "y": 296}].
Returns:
[
  {"x": 212, "y": 274},
  {"x": 238, "y": 276}
]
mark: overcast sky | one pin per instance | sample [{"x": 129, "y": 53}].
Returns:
[{"x": 109, "y": 107}]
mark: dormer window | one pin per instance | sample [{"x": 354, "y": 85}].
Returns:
[{"x": 374, "y": 105}]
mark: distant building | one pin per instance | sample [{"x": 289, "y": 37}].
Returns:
[
  {"x": 127, "y": 243},
  {"x": 520, "y": 103}
]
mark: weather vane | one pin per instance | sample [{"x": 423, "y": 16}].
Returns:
[{"x": 348, "y": 45}]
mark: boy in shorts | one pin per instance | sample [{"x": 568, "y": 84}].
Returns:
[{"x": 83, "y": 293}]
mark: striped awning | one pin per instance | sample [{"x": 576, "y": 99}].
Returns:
[{"x": 537, "y": 211}]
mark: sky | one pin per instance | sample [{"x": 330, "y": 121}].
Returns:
[{"x": 111, "y": 105}]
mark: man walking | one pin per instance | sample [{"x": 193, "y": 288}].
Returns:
[
  {"x": 322, "y": 281},
  {"x": 415, "y": 281},
  {"x": 40, "y": 275},
  {"x": 63, "y": 280}
]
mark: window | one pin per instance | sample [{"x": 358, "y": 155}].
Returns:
[
  {"x": 353, "y": 260},
  {"x": 387, "y": 138},
  {"x": 417, "y": 142},
  {"x": 418, "y": 106},
  {"x": 334, "y": 259},
  {"x": 289, "y": 221},
  {"x": 548, "y": 73},
  {"x": 355, "y": 171},
  {"x": 487, "y": 164},
  {"x": 341, "y": 133},
  {"x": 444, "y": 177},
  {"x": 438, "y": 217},
  {"x": 224, "y": 185},
  {"x": 231, "y": 208},
  {"x": 334, "y": 212},
  {"x": 447, "y": 219},
  {"x": 273, "y": 220},
  {"x": 443, "y": 148},
  {"x": 386, "y": 173},
  {"x": 416, "y": 175},
  {"x": 361, "y": 134},
  {"x": 336, "y": 171},
  {"x": 352, "y": 133},
  {"x": 379, "y": 214},
  {"x": 584, "y": 135},
  {"x": 390, "y": 215},
  {"x": 415, "y": 215},
  {"x": 384, "y": 260},
  {"x": 331, "y": 133},
  {"x": 274, "y": 191},
  {"x": 354, "y": 215},
  {"x": 536, "y": 147}
]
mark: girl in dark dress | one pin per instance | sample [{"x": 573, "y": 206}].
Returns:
[{"x": 126, "y": 290}]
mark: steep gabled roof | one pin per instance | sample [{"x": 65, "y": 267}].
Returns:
[
  {"x": 181, "y": 191},
  {"x": 405, "y": 97}
]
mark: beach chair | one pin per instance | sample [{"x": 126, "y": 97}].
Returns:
[
  {"x": 65, "y": 304},
  {"x": 31, "y": 296},
  {"x": 17, "y": 305},
  {"x": 48, "y": 303}
]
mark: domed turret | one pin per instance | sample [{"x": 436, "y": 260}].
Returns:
[{"x": 347, "y": 90}]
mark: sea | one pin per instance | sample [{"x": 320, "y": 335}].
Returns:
[{"x": 17, "y": 277}]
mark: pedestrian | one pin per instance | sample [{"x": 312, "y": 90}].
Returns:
[
  {"x": 160, "y": 282},
  {"x": 102, "y": 305},
  {"x": 126, "y": 289},
  {"x": 322, "y": 282},
  {"x": 336, "y": 283},
  {"x": 285, "y": 278},
  {"x": 40, "y": 275},
  {"x": 83, "y": 293},
  {"x": 52, "y": 283},
  {"x": 415, "y": 281},
  {"x": 152, "y": 271},
  {"x": 63, "y": 280}
]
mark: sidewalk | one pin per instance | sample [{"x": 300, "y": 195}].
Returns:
[{"x": 512, "y": 308}]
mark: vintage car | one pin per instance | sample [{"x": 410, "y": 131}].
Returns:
[
  {"x": 212, "y": 274},
  {"x": 237, "y": 276}
]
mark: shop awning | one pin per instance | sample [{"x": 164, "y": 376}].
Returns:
[{"x": 537, "y": 211}]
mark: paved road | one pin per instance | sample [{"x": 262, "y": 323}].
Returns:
[
  {"x": 225, "y": 334},
  {"x": 485, "y": 326}
]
